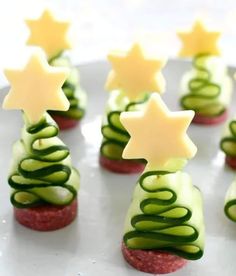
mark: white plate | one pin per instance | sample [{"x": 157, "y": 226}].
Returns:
[{"x": 91, "y": 245}]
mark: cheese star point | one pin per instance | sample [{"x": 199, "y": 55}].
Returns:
[
  {"x": 199, "y": 40},
  {"x": 49, "y": 33},
  {"x": 158, "y": 135},
  {"x": 135, "y": 73},
  {"x": 36, "y": 88}
]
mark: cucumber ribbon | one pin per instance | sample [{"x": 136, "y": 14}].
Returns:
[
  {"x": 115, "y": 137},
  {"x": 228, "y": 142},
  {"x": 166, "y": 214},
  {"x": 204, "y": 96},
  {"x": 41, "y": 170},
  {"x": 230, "y": 202},
  {"x": 72, "y": 90}
]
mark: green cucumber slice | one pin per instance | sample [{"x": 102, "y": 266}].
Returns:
[
  {"x": 204, "y": 95},
  {"x": 228, "y": 142},
  {"x": 230, "y": 202},
  {"x": 112, "y": 149},
  {"x": 115, "y": 137},
  {"x": 72, "y": 90},
  {"x": 41, "y": 170},
  {"x": 166, "y": 213}
]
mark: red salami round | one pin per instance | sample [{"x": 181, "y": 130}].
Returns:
[
  {"x": 231, "y": 161},
  {"x": 46, "y": 217},
  {"x": 65, "y": 122},
  {"x": 202, "y": 120},
  {"x": 152, "y": 261},
  {"x": 121, "y": 166}
]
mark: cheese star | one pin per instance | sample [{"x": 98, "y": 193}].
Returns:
[
  {"x": 199, "y": 41},
  {"x": 49, "y": 34},
  {"x": 36, "y": 88},
  {"x": 134, "y": 73},
  {"x": 157, "y": 134}
]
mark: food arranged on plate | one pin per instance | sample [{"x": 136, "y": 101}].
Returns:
[
  {"x": 50, "y": 34},
  {"x": 228, "y": 143},
  {"x": 164, "y": 226},
  {"x": 134, "y": 76},
  {"x": 43, "y": 181},
  {"x": 206, "y": 88}
]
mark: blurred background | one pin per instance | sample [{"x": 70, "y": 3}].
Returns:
[{"x": 99, "y": 26}]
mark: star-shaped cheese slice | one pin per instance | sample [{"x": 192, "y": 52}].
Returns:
[
  {"x": 135, "y": 73},
  {"x": 199, "y": 41},
  {"x": 157, "y": 134},
  {"x": 36, "y": 88},
  {"x": 49, "y": 34}
]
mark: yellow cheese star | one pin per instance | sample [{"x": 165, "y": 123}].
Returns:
[
  {"x": 134, "y": 73},
  {"x": 199, "y": 41},
  {"x": 49, "y": 34},
  {"x": 157, "y": 134},
  {"x": 36, "y": 88}
]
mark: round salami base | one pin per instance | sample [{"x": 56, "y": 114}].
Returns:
[
  {"x": 231, "y": 161},
  {"x": 65, "y": 122},
  {"x": 152, "y": 261},
  {"x": 46, "y": 217},
  {"x": 121, "y": 166},
  {"x": 203, "y": 120}
]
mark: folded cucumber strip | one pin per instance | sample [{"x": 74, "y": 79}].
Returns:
[
  {"x": 230, "y": 202},
  {"x": 166, "y": 214},
  {"x": 41, "y": 170},
  {"x": 208, "y": 89},
  {"x": 228, "y": 142},
  {"x": 115, "y": 137},
  {"x": 72, "y": 90}
]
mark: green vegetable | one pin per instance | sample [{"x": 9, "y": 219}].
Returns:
[
  {"x": 72, "y": 90},
  {"x": 115, "y": 137},
  {"x": 208, "y": 88},
  {"x": 228, "y": 142},
  {"x": 166, "y": 214},
  {"x": 41, "y": 170},
  {"x": 230, "y": 202}
]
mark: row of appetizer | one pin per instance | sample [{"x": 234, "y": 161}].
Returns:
[{"x": 164, "y": 226}]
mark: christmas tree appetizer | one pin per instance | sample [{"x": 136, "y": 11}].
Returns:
[
  {"x": 230, "y": 202},
  {"x": 50, "y": 34},
  {"x": 207, "y": 88},
  {"x": 164, "y": 225},
  {"x": 228, "y": 144},
  {"x": 44, "y": 183},
  {"x": 133, "y": 77}
]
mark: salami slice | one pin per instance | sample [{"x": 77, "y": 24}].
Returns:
[
  {"x": 231, "y": 161},
  {"x": 152, "y": 261},
  {"x": 203, "y": 120},
  {"x": 65, "y": 122},
  {"x": 121, "y": 166},
  {"x": 46, "y": 217}
]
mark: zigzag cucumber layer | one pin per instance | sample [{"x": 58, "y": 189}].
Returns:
[
  {"x": 41, "y": 171},
  {"x": 203, "y": 94},
  {"x": 166, "y": 214}
]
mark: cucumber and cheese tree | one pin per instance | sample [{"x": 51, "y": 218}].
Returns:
[
  {"x": 206, "y": 88},
  {"x": 166, "y": 213},
  {"x": 50, "y": 34},
  {"x": 43, "y": 181},
  {"x": 134, "y": 76}
]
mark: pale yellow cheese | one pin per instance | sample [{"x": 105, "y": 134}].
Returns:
[
  {"x": 199, "y": 40},
  {"x": 36, "y": 88},
  {"x": 134, "y": 73},
  {"x": 157, "y": 134},
  {"x": 49, "y": 34}
]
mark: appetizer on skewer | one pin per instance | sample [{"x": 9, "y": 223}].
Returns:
[{"x": 44, "y": 183}]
